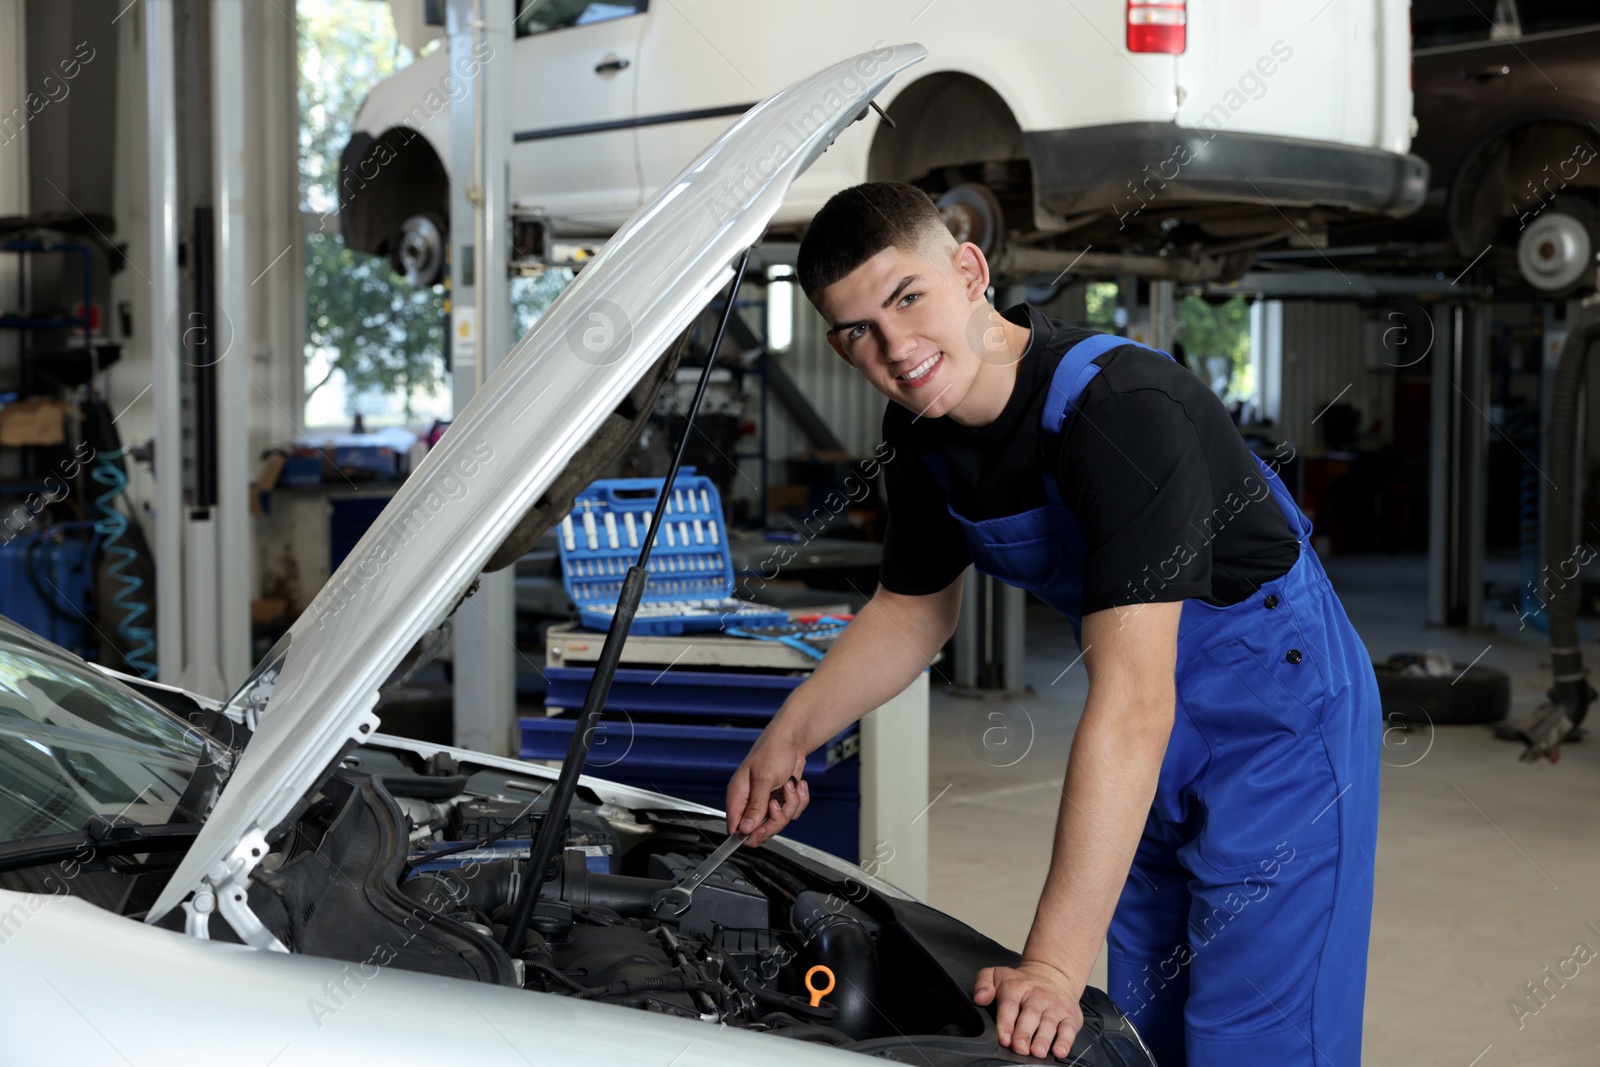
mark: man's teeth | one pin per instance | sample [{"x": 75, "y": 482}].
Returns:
[{"x": 920, "y": 369}]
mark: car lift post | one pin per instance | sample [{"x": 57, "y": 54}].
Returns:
[
  {"x": 1459, "y": 463},
  {"x": 480, "y": 253}
]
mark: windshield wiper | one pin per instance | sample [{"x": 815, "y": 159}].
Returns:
[{"x": 101, "y": 836}]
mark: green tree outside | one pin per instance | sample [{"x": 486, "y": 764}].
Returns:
[
  {"x": 1208, "y": 329},
  {"x": 376, "y": 331}
]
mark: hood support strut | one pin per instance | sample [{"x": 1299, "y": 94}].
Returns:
[{"x": 551, "y": 830}]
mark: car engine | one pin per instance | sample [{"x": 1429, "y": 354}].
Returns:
[{"x": 419, "y": 868}]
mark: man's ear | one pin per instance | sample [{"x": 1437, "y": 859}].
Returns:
[{"x": 973, "y": 269}]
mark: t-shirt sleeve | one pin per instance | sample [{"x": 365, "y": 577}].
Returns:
[
  {"x": 924, "y": 549},
  {"x": 1134, "y": 475}
]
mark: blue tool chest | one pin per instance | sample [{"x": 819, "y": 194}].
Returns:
[
  {"x": 690, "y": 586},
  {"x": 684, "y": 733},
  {"x": 45, "y": 584}
]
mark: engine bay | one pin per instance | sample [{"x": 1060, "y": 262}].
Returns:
[{"x": 416, "y": 864}]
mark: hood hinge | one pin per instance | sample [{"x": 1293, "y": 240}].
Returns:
[{"x": 225, "y": 888}]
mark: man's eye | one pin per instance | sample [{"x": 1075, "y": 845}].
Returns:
[
  {"x": 906, "y": 300},
  {"x": 857, "y": 332}
]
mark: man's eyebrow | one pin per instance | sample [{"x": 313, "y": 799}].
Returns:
[
  {"x": 907, "y": 280},
  {"x": 891, "y": 298}
]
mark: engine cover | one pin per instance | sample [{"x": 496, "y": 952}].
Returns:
[{"x": 724, "y": 899}]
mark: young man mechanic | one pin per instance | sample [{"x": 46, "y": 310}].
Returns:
[{"x": 1219, "y": 816}]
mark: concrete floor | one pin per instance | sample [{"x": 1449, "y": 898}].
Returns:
[{"x": 1488, "y": 869}]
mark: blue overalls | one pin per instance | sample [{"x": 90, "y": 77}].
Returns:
[{"x": 1240, "y": 937}]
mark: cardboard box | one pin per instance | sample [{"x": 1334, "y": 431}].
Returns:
[
  {"x": 782, "y": 498},
  {"x": 34, "y": 421}
]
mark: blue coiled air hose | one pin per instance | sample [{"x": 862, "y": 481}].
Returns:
[{"x": 138, "y": 642}]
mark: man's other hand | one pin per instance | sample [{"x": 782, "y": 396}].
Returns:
[
  {"x": 1036, "y": 1007},
  {"x": 774, "y": 759}
]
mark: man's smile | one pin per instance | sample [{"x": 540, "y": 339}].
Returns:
[{"x": 922, "y": 373}]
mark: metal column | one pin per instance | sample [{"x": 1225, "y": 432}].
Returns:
[
  {"x": 235, "y": 557},
  {"x": 1458, "y": 464},
  {"x": 162, "y": 331},
  {"x": 990, "y": 638},
  {"x": 480, "y": 252},
  {"x": 1163, "y": 315}
]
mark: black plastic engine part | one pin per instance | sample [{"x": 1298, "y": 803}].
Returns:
[
  {"x": 772, "y": 999},
  {"x": 582, "y": 888},
  {"x": 812, "y": 908},
  {"x": 843, "y": 945},
  {"x": 343, "y": 897},
  {"x": 628, "y": 965},
  {"x": 724, "y": 899},
  {"x": 552, "y": 920},
  {"x": 511, "y": 817},
  {"x": 425, "y": 788},
  {"x": 481, "y": 887},
  {"x": 474, "y": 820}
]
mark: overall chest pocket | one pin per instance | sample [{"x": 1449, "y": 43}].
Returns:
[{"x": 1030, "y": 550}]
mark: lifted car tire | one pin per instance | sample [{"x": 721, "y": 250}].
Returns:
[
  {"x": 1555, "y": 252},
  {"x": 418, "y": 251},
  {"x": 973, "y": 213}
]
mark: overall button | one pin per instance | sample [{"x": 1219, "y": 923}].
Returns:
[
  {"x": 1271, "y": 601},
  {"x": 1293, "y": 656}
]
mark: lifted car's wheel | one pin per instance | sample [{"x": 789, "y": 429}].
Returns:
[
  {"x": 972, "y": 212},
  {"x": 1556, "y": 250},
  {"x": 419, "y": 251}
]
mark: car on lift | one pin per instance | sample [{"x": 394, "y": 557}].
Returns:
[
  {"x": 185, "y": 880},
  {"x": 1508, "y": 119},
  {"x": 1168, "y": 138}
]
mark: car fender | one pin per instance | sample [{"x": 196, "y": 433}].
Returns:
[
  {"x": 1469, "y": 194},
  {"x": 151, "y": 995}
]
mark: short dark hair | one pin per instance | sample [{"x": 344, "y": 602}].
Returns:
[{"x": 859, "y": 222}]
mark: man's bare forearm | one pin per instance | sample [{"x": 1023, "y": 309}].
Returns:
[
  {"x": 889, "y": 642},
  {"x": 1111, "y": 781}
]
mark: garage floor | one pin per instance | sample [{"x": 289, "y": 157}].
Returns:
[{"x": 1488, "y": 869}]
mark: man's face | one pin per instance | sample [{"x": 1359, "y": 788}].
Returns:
[{"x": 904, "y": 319}]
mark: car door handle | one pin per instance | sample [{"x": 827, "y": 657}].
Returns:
[
  {"x": 608, "y": 66},
  {"x": 1486, "y": 74}
]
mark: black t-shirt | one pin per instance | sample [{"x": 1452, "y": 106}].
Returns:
[{"x": 1171, "y": 501}]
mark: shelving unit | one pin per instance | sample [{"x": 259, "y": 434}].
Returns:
[
  {"x": 29, "y": 324},
  {"x": 57, "y": 356}
]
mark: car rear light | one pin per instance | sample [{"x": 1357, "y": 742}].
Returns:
[{"x": 1157, "y": 25}]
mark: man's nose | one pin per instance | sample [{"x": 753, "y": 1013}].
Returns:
[{"x": 898, "y": 345}]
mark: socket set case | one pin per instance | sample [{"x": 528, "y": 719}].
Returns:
[{"x": 691, "y": 571}]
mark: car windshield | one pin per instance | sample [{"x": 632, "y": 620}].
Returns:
[{"x": 75, "y": 744}]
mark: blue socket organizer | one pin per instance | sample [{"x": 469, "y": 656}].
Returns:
[{"x": 691, "y": 571}]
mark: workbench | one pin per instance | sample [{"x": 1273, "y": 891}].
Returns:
[{"x": 893, "y": 738}]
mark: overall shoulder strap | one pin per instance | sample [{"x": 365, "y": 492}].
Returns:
[{"x": 1072, "y": 375}]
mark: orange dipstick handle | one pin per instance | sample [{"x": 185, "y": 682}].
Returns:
[{"x": 818, "y": 994}]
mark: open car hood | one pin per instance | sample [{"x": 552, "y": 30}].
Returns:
[{"x": 319, "y": 685}]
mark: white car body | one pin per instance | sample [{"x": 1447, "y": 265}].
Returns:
[{"x": 1282, "y": 107}]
